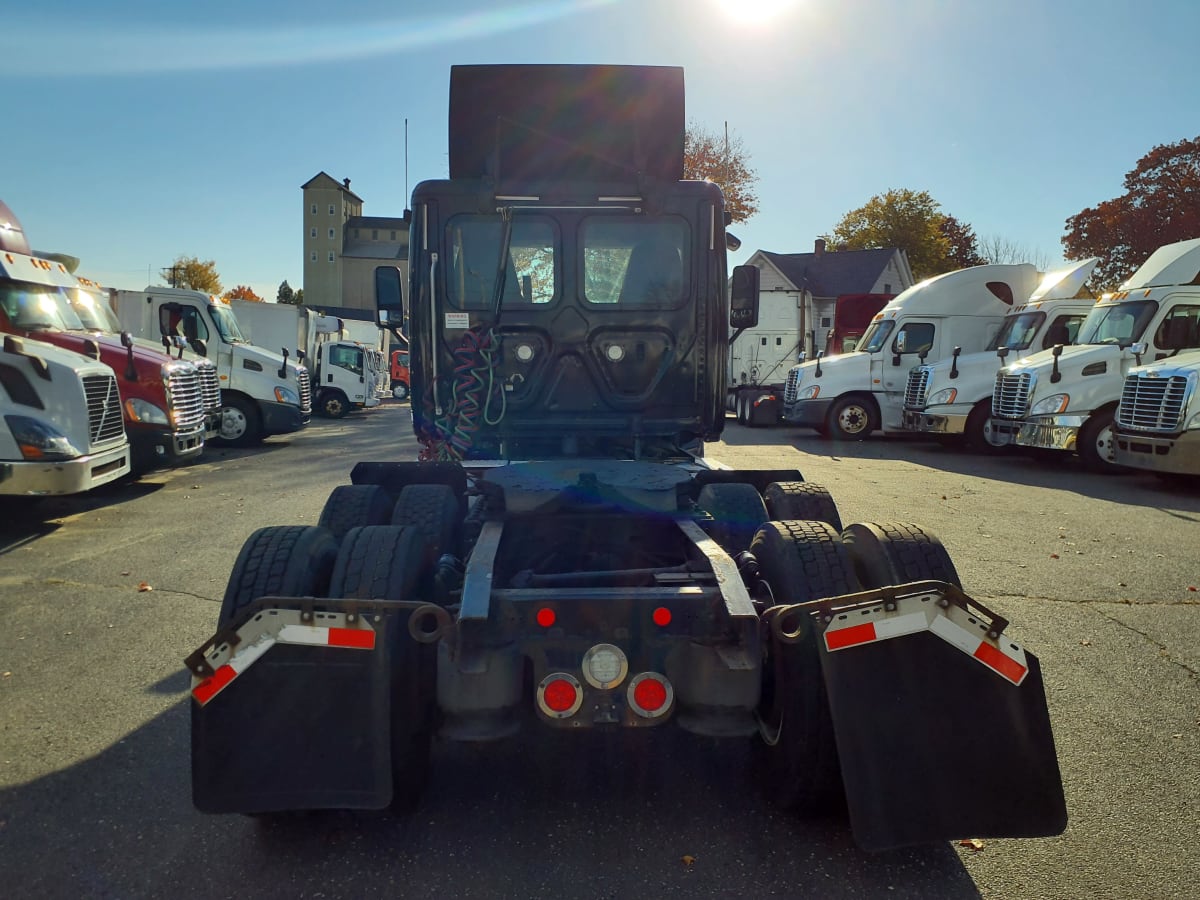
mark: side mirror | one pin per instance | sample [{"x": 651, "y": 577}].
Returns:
[
  {"x": 389, "y": 297},
  {"x": 743, "y": 297}
]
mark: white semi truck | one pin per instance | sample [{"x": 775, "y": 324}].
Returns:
[
  {"x": 1157, "y": 426},
  {"x": 851, "y": 395},
  {"x": 343, "y": 373},
  {"x": 63, "y": 431},
  {"x": 1064, "y": 399},
  {"x": 262, "y": 393},
  {"x": 954, "y": 396}
]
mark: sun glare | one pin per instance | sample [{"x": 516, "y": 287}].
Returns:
[{"x": 755, "y": 12}]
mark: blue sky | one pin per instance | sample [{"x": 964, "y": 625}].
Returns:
[{"x": 140, "y": 130}]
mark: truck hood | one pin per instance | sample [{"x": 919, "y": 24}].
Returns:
[
  {"x": 265, "y": 358},
  {"x": 844, "y": 365},
  {"x": 1072, "y": 361}
]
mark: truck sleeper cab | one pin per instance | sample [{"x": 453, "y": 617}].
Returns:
[
  {"x": 1064, "y": 399},
  {"x": 851, "y": 395},
  {"x": 162, "y": 399},
  {"x": 954, "y": 396},
  {"x": 62, "y": 427}
]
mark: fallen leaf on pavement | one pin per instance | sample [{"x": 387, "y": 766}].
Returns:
[
  {"x": 973, "y": 844},
  {"x": 688, "y": 860},
  {"x": 143, "y": 587}
]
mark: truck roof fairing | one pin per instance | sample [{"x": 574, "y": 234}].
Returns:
[
  {"x": 966, "y": 292},
  {"x": 1168, "y": 265},
  {"x": 521, "y": 123},
  {"x": 1065, "y": 283}
]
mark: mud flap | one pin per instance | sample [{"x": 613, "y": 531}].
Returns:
[
  {"x": 298, "y": 726},
  {"x": 942, "y": 729}
]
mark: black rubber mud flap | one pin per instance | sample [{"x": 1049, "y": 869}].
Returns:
[
  {"x": 934, "y": 745},
  {"x": 304, "y": 727}
]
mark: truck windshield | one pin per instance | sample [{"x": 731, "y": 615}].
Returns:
[
  {"x": 474, "y": 248},
  {"x": 1117, "y": 323},
  {"x": 93, "y": 312},
  {"x": 37, "y": 306},
  {"x": 876, "y": 336},
  {"x": 227, "y": 324},
  {"x": 1018, "y": 331}
]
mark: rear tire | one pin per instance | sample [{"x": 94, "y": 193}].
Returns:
[
  {"x": 737, "y": 510},
  {"x": 385, "y": 562},
  {"x": 978, "y": 434},
  {"x": 801, "y": 561},
  {"x": 353, "y": 505},
  {"x": 399, "y": 390},
  {"x": 280, "y": 560},
  {"x": 890, "y": 553},
  {"x": 801, "y": 500},
  {"x": 433, "y": 510}
]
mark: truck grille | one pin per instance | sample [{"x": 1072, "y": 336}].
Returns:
[
  {"x": 186, "y": 398},
  {"x": 210, "y": 384},
  {"x": 305, "y": 389},
  {"x": 1154, "y": 403},
  {"x": 1010, "y": 399},
  {"x": 789, "y": 389},
  {"x": 105, "y": 424},
  {"x": 918, "y": 384}
]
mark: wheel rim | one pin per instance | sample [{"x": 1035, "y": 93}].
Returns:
[
  {"x": 853, "y": 419},
  {"x": 333, "y": 407},
  {"x": 1104, "y": 445},
  {"x": 400, "y": 392},
  {"x": 233, "y": 423}
]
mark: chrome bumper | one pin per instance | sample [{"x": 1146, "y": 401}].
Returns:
[
  {"x": 1050, "y": 432},
  {"x": 1177, "y": 454},
  {"x": 72, "y": 476},
  {"x": 931, "y": 423}
]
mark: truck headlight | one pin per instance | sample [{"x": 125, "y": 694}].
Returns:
[
  {"x": 810, "y": 392},
  {"x": 145, "y": 413},
  {"x": 942, "y": 397},
  {"x": 287, "y": 395},
  {"x": 1051, "y": 406},
  {"x": 40, "y": 441}
]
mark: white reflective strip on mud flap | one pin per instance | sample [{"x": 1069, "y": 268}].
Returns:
[
  {"x": 921, "y": 613},
  {"x": 277, "y": 626}
]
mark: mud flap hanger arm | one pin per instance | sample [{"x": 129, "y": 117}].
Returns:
[{"x": 829, "y": 607}]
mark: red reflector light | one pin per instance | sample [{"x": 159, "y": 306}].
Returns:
[
  {"x": 560, "y": 695},
  {"x": 546, "y": 617},
  {"x": 662, "y": 616}
]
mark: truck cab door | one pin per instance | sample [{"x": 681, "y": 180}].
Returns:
[{"x": 911, "y": 341}]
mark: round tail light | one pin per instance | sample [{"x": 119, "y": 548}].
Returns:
[
  {"x": 559, "y": 695},
  {"x": 650, "y": 695}
]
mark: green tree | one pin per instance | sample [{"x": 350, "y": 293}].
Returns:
[
  {"x": 910, "y": 220},
  {"x": 1161, "y": 205},
  {"x": 190, "y": 272},
  {"x": 299, "y": 296},
  {"x": 723, "y": 160},
  {"x": 286, "y": 294}
]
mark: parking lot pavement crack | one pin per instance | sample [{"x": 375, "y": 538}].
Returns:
[
  {"x": 1089, "y": 601},
  {"x": 1163, "y": 650}
]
